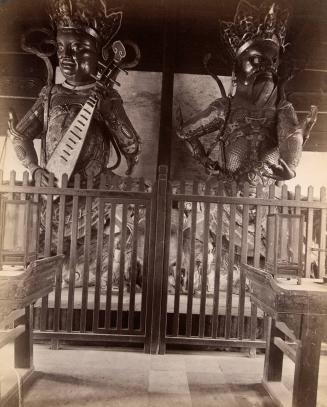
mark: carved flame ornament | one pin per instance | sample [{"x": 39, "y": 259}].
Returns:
[
  {"x": 252, "y": 23},
  {"x": 91, "y": 16}
]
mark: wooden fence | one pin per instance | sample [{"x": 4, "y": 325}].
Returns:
[
  {"x": 159, "y": 264},
  {"x": 210, "y": 230},
  {"x": 102, "y": 292}
]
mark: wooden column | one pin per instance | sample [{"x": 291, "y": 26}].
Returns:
[
  {"x": 273, "y": 355},
  {"x": 154, "y": 306},
  {"x": 24, "y": 342},
  {"x": 167, "y": 87},
  {"x": 307, "y": 361}
]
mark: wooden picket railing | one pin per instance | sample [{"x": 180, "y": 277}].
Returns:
[
  {"x": 107, "y": 229},
  {"x": 210, "y": 234},
  {"x": 159, "y": 264}
]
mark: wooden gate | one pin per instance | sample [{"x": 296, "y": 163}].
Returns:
[
  {"x": 101, "y": 295},
  {"x": 157, "y": 264},
  {"x": 210, "y": 230}
]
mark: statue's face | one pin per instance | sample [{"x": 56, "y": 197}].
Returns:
[
  {"x": 78, "y": 56},
  {"x": 256, "y": 71}
]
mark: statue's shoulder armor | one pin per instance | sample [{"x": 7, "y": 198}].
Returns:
[{"x": 45, "y": 90}]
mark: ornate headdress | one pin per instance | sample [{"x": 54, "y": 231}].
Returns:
[
  {"x": 252, "y": 23},
  {"x": 91, "y": 16}
]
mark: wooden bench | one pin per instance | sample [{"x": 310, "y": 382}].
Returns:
[{"x": 296, "y": 327}]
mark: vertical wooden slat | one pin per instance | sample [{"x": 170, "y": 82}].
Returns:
[
  {"x": 122, "y": 264},
  {"x": 322, "y": 240},
  {"x": 47, "y": 250},
  {"x": 244, "y": 256},
  {"x": 298, "y": 245},
  {"x": 60, "y": 250},
  {"x": 48, "y": 220},
  {"x": 27, "y": 215},
  {"x": 133, "y": 268},
  {"x": 204, "y": 264},
  {"x": 218, "y": 259},
  {"x": 192, "y": 263},
  {"x": 165, "y": 271},
  {"x": 309, "y": 233},
  {"x": 157, "y": 261},
  {"x": 178, "y": 261},
  {"x": 12, "y": 182},
  {"x": 25, "y": 183},
  {"x": 145, "y": 266},
  {"x": 111, "y": 244},
  {"x": 87, "y": 244},
  {"x": 297, "y": 198},
  {"x": 98, "y": 262},
  {"x": 111, "y": 248},
  {"x": 283, "y": 233},
  {"x": 256, "y": 263},
  {"x": 36, "y": 198},
  {"x": 231, "y": 258},
  {"x": 72, "y": 258},
  {"x": 22, "y": 197},
  {"x": 269, "y": 240},
  {"x": 151, "y": 259}
]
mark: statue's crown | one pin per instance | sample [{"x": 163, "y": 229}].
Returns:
[
  {"x": 254, "y": 23},
  {"x": 91, "y": 16}
]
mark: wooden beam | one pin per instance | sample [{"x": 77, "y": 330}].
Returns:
[{"x": 167, "y": 90}]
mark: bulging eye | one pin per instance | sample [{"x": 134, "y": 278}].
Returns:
[
  {"x": 256, "y": 60},
  {"x": 75, "y": 47}
]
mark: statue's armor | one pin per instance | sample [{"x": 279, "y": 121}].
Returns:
[
  {"x": 247, "y": 140},
  {"x": 59, "y": 106}
]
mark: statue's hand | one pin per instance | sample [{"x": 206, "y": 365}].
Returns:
[
  {"x": 281, "y": 171},
  {"x": 100, "y": 91},
  {"x": 44, "y": 175},
  {"x": 131, "y": 161},
  {"x": 309, "y": 122}
]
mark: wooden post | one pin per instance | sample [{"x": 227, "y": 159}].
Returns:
[
  {"x": 273, "y": 356},
  {"x": 167, "y": 87},
  {"x": 307, "y": 361},
  {"x": 24, "y": 343},
  {"x": 158, "y": 247}
]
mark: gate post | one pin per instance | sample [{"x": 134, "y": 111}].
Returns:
[{"x": 157, "y": 252}]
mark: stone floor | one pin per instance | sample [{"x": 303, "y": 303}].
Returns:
[{"x": 98, "y": 377}]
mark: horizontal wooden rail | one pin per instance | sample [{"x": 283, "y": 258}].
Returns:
[
  {"x": 286, "y": 330},
  {"x": 88, "y": 336},
  {"x": 95, "y": 193},
  {"x": 217, "y": 342},
  {"x": 248, "y": 201},
  {"x": 8, "y": 335},
  {"x": 286, "y": 348}
]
